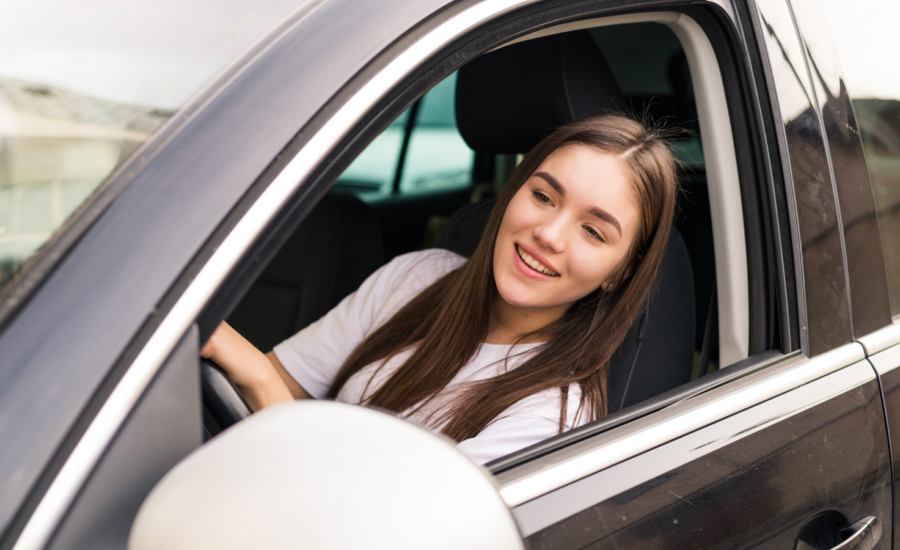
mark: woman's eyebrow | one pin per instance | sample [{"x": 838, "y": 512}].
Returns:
[
  {"x": 605, "y": 216},
  {"x": 552, "y": 181},
  {"x": 593, "y": 211}
]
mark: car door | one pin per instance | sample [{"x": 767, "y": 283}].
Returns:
[
  {"x": 853, "y": 45},
  {"x": 768, "y": 453}
]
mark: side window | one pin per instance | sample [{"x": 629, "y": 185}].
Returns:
[
  {"x": 437, "y": 157},
  {"x": 374, "y": 170},
  {"x": 421, "y": 150},
  {"x": 414, "y": 187},
  {"x": 865, "y": 38}
]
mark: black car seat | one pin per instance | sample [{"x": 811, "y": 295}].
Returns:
[
  {"x": 509, "y": 99},
  {"x": 329, "y": 255}
]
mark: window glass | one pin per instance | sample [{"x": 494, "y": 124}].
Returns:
[
  {"x": 84, "y": 84},
  {"x": 437, "y": 157},
  {"x": 865, "y": 34},
  {"x": 372, "y": 173},
  {"x": 434, "y": 154}
]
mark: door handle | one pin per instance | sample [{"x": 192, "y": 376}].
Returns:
[{"x": 862, "y": 535}]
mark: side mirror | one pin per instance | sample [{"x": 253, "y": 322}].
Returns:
[{"x": 325, "y": 475}]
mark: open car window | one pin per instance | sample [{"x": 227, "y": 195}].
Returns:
[{"x": 397, "y": 197}]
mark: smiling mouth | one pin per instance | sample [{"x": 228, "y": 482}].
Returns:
[{"x": 534, "y": 264}]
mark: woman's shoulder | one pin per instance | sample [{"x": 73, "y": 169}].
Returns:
[
  {"x": 407, "y": 275},
  {"x": 429, "y": 262}
]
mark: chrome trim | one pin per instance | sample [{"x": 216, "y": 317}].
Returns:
[
  {"x": 881, "y": 339},
  {"x": 542, "y": 476},
  {"x": 656, "y": 462},
  {"x": 90, "y": 448}
]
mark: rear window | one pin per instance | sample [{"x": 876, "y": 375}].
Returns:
[{"x": 84, "y": 84}]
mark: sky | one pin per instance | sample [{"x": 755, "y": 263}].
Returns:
[
  {"x": 867, "y": 36},
  {"x": 154, "y": 53}
]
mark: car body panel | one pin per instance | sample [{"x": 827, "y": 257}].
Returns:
[
  {"x": 744, "y": 463},
  {"x": 883, "y": 348},
  {"x": 747, "y": 481},
  {"x": 867, "y": 279},
  {"x": 822, "y": 275}
]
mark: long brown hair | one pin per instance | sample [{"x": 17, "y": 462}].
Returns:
[{"x": 448, "y": 321}]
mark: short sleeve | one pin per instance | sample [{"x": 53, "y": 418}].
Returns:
[
  {"x": 314, "y": 355},
  {"x": 529, "y": 421}
]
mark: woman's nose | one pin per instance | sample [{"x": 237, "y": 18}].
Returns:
[{"x": 551, "y": 234}]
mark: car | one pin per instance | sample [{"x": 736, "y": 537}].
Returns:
[{"x": 165, "y": 166}]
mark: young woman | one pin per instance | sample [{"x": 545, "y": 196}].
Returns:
[{"x": 512, "y": 346}]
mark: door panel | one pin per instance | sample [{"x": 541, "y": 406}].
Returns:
[
  {"x": 750, "y": 480},
  {"x": 884, "y": 353}
]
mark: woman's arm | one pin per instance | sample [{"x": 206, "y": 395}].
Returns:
[{"x": 261, "y": 379}]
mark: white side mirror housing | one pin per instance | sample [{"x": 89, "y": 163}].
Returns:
[{"x": 325, "y": 475}]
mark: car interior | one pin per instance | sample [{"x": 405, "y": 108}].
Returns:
[{"x": 429, "y": 179}]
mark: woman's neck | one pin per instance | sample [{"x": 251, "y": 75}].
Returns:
[{"x": 509, "y": 322}]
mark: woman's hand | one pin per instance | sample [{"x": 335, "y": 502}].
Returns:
[{"x": 260, "y": 380}]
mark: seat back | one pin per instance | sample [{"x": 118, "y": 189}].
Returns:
[
  {"x": 510, "y": 99},
  {"x": 507, "y": 101},
  {"x": 329, "y": 255}
]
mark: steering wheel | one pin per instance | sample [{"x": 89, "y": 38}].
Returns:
[{"x": 221, "y": 400}]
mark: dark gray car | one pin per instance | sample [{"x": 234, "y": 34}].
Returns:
[{"x": 165, "y": 167}]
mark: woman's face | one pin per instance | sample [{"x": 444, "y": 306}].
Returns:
[{"x": 566, "y": 230}]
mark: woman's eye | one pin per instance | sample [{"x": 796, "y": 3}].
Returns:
[
  {"x": 541, "y": 197},
  {"x": 593, "y": 233}
]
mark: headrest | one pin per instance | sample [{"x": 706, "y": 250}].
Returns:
[{"x": 510, "y": 99}]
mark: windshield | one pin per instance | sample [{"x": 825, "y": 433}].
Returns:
[{"x": 84, "y": 83}]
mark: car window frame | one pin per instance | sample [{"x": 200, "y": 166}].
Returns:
[
  {"x": 765, "y": 360},
  {"x": 760, "y": 360},
  {"x": 525, "y": 482}
]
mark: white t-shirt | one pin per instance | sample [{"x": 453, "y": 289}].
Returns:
[{"x": 314, "y": 355}]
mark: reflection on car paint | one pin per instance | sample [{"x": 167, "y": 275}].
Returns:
[
  {"x": 753, "y": 491},
  {"x": 827, "y": 302},
  {"x": 865, "y": 260}
]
